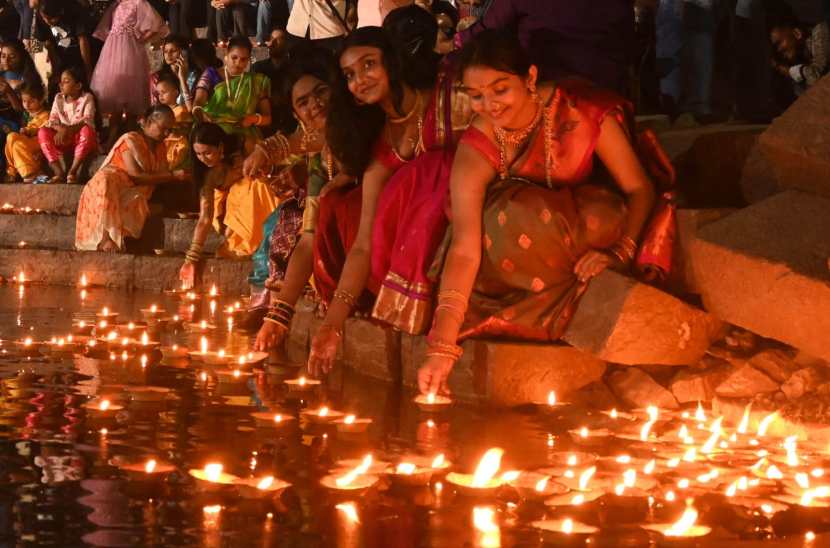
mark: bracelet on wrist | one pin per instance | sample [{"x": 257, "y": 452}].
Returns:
[{"x": 346, "y": 297}]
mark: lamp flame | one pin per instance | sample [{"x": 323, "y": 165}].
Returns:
[
  {"x": 349, "y": 510},
  {"x": 744, "y": 425},
  {"x": 541, "y": 484},
  {"x": 104, "y": 405},
  {"x": 150, "y": 466},
  {"x": 349, "y": 419},
  {"x": 265, "y": 483},
  {"x": 405, "y": 468},
  {"x": 439, "y": 461},
  {"x": 213, "y": 471},
  {"x": 766, "y": 422},
  {"x": 203, "y": 345},
  {"x": 568, "y": 526},
  {"x": 585, "y": 477},
  {"x": 359, "y": 470},
  {"x": 682, "y": 526},
  {"x": 487, "y": 467},
  {"x": 551, "y": 398}
]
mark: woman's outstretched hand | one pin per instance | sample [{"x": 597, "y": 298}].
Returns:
[
  {"x": 187, "y": 275},
  {"x": 323, "y": 351},
  {"x": 433, "y": 375},
  {"x": 255, "y": 163},
  {"x": 592, "y": 263}
]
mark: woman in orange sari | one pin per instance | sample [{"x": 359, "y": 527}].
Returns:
[
  {"x": 114, "y": 202},
  {"x": 533, "y": 220}
]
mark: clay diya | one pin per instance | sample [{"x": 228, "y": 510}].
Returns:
[
  {"x": 103, "y": 407},
  {"x": 271, "y": 419},
  {"x": 174, "y": 352},
  {"x": 153, "y": 313},
  {"x": 257, "y": 488},
  {"x": 302, "y": 384},
  {"x": 535, "y": 486},
  {"x": 551, "y": 403},
  {"x": 149, "y": 469},
  {"x": 354, "y": 482},
  {"x": 584, "y": 436},
  {"x": 106, "y": 315},
  {"x": 432, "y": 403},
  {"x": 61, "y": 346},
  {"x": 350, "y": 424},
  {"x": 27, "y": 348},
  {"x": 212, "y": 477},
  {"x": 683, "y": 529},
  {"x": 82, "y": 327},
  {"x": 483, "y": 483},
  {"x": 198, "y": 355},
  {"x": 148, "y": 393},
  {"x": 200, "y": 327},
  {"x": 559, "y": 528},
  {"x": 232, "y": 376},
  {"x": 321, "y": 415},
  {"x": 217, "y": 358},
  {"x": 408, "y": 474}
]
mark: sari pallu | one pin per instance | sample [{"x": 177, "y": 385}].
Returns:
[
  {"x": 411, "y": 217},
  {"x": 111, "y": 203},
  {"x": 532, "y": 231},
  {"x": 232, "y": 101}
]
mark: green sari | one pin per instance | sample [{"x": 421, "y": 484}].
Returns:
[{"x": 232, "y": 101}]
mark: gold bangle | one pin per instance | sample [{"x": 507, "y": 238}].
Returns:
[
  {"x": 458, "y": 313},
  {"x": 338, "y": 332},
  {"x": 346, "y": 297}
]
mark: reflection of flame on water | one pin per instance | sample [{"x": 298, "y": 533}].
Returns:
[
  {"x": 487, "y": 467},
  {"x": 681, "y": 527},
  {"x": 817, "y": 493},
  {"x": 585, "y": 477},
  {"x": 349, "y": 510},
  {"x": 486, "y": 526},
  {"x": 744, "y": 425}
]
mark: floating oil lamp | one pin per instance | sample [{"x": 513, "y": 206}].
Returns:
[
  {"x": 584, "y": 436},
  {"x": 217, "y": 358},
  {"x": 684, "y": 528},
  {"x": 213, "y": 291},
  {"x": 61, "y": 346},
  {"x": 438, "y": 464},
  {"x": 199, "y": 355},
  {"x": 82, "y": 327},
  {"x": 557, "y": 528},
  {"x": 174, "y": 352},
  {"x": 581, "y": 490},
  {"x": 408, "y": 474},
  {"x": 154, "y": 312},
  {"x": 212, "y": 476},
  {"x": 149, "y": 469},
  {"x": 376, "y": 467},
  {"x": 350, "y": 424},
  {"x": 83, "y": 283},
  {"x": 302, "y": 384},
  {"x": 432, "y": 403},
  {"x": 232, "y": 376},
  {"x": 148, "y": 393},
  {"x": 551, "y": 403},
  {"x": 536, "y": 486},
  {"x": 321, "y": 415},
  {"x": 355, "y": 481},
  {"x": 272, "y": 420},
  {"x": 616, "y": 415},
  {"x": 565, "y": 460},
  {"x": 103, "y": 406},
  {"x": 254, "y": 359},
  {"x": 146, "y": 344},
  {"x": 257, "y": 488},
  {"x": 483, "y": 482},
  {"x": 201, "y": 327},
  {"x": 27, "y": 348},
  {"x": 106, "y": 314}
]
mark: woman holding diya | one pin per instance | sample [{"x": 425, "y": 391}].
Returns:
[
  {"x": 402, "y": 197},
  {"x": 531, "y": 221},
  {"x": 235, "y": 205},
  {"x": 114, "y": 202},
  {"x": 241, "y": 104}
]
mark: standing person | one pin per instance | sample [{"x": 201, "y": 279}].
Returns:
[
  {"x": 65, "y": 28},
  {"x": 274, "y": 68},
  {"x": 122, "y": 75},
  {"x": 802, "y": 52},
  {"x": 10, "y": 26},
  {"x": 114, "y": 202},
  {"x": 229, "y": 19},
  {"x": 70, "y": 128},
  {"x": 566, "y": 38},
  {"x": 318, "y": 22},
  {"x": 179, "y": 16}
]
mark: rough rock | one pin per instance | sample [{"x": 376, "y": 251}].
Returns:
[
  {"x": 508, "y": 373},
  {"x": 163, "y": 272},
  {"x": 764, "y": 268},
  {"x": 801, "y": 382},
  {"x": 693, "y": 386},
  {"x": 620, "y": 320},
  {"x": 297, "y": 341},
  {"x": 596, "y": 395},
  {"x": 797, "y": 144},
  {"x": 758, "y": 180},
  {"x": 777, "y": 364},
  {"x": 744, "y": 381},
  {"x": 178, "y": 234},
  {"x": 61, "y": 199},
  {"x": 372, "y": 349},
  {"x": 637, "y": 389},
  {"x": 689, "y": 223}
]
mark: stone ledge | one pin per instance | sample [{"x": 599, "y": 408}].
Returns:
[
  {"x": 62, "y": 199},
  {"x": 765, "y": 268},
  {"x": 58, "y": 267}
]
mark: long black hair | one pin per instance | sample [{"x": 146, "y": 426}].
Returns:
[
  {"x": 28, "y": 70},
  {"x": 212, "y": 135},
  {"x": 414, "y": 32},
  {"x": 203, "y": 54},
  {"x": 496, "y": 49}
]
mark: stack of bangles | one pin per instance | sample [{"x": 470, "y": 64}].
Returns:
[
  {"x": 443, "y": 349},
  {"x": 194, "y": 254},
  {"x": 346, "y": 297},
  {"x": 454, "y": 303},
  {"x": 276, "y": 146},
  {"x": 280, "y": 313},
  {"x": 625, "y": 249}
]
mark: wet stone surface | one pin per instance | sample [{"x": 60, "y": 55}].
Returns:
[{"x": 64, "y": 481}]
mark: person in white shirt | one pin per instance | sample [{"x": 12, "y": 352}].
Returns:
[{"x": 324, "y": 22}]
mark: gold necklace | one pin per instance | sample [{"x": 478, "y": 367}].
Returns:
[
  {"x": 417, "y": 144},
  {"x": 415, "y": 108},
  {"x": 515, "y": 137},
  {"x": 232, "y": 97}
]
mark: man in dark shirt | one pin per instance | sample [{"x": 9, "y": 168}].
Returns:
[
  {"x": 273, "y": 68},
  {"x": 65, "y": 29},
  {"x": 593, "y": 39}
]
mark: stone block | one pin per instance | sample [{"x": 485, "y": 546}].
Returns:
[
  {"x": 154, "y": 273},
  {"x": 62, "y": 199},
  {"x": 801, "y": 382},
  {"x": 744, "y": 381},
  {"x": 693, "y": 386},
  {"x": 797, "y": 143},
  {"x": 372, "y": 349},
  {"x": 66, "y": 267},
  {"x": 689, "y": 223},
  {"x": 765, "y": 268},
  {"x": 178, "y": 234},
  {"x": 40, "y": 230},
  {"x": 298, "y": 340},
  {"x": 620, "y": 320},
  {"x": 775, "y": 363},
  {"x": 635, "y": 388}
]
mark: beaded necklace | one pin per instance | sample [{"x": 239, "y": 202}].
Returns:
[
  {"x": 516, "y": 137},
  {"x": 232, "y": 97}
]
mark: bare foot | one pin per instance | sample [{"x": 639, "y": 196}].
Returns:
[
  {"x": 57, "y": 179},
  {"x": 72, "y": 178},
  {"x": 108, "y": 246}
]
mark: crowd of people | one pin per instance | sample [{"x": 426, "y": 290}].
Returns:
[{"x": 452, "y": 170}]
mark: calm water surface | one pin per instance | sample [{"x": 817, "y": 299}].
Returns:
[{"x": 60, "y": 483}]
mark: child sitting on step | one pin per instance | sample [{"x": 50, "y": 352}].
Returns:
[
  {"x": 178, "y": 146},
  {"x": 23, "y": 155},
  {"x": 71, "y": 127}
]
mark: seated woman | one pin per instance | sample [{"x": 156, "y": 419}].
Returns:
[
  {"x": 235, "y": 205},
  {"x": 16, "y": 70},
  {"x": 23, "y": 156},
  {"x": 401, "y": 214},
  {"x": 71, "y": 127},
  {"x": 209, "y": 70},
  {"x": 174, "y": 61},
  {"x": 114, "y": 202},
  {"x": 241, "y": 104},
  {"x": 530, "y": 223}
]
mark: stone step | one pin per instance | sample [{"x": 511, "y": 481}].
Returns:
[
  {"x": 61, "y": 199},
  {"x": 146, "y": 272},
  {"x": 58, "y": 232},
  {"x": 621, "y": 320},
  {"x": 765, "y": 268}
]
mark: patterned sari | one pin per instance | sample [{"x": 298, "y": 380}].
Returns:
[
  {"x": 533, "y": 232},
  {"x": 111, "y": 203},
  {"x": 232, "y": 101}
]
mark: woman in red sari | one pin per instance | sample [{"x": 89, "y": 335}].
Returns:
[
  {"x": 532, "y": 222},
  {"x": 401, "y": 199}
]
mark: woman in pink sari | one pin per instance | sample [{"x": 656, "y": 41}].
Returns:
[{"x": 403, "y": 193}]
